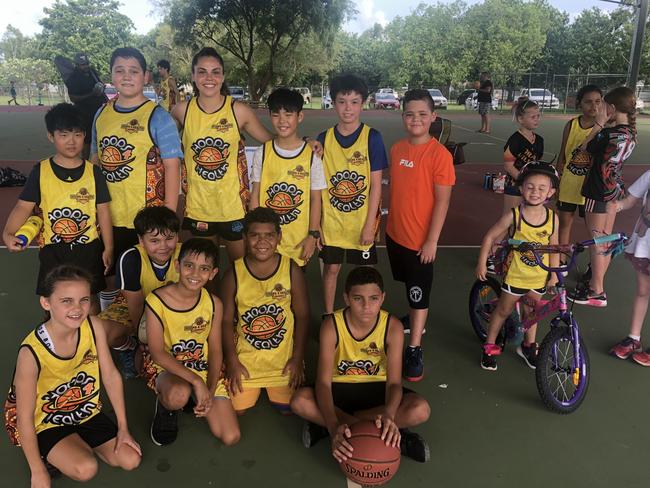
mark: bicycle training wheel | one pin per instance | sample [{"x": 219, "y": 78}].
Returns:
[
  {"x": 561, "y": 387},
  {"x": 483, "y": 298}
]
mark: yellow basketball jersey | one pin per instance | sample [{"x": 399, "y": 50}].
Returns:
[
  {"x": 523, "y": 271},
  {"x": 130, "y": 161},
  {"x": 214, "y": 177},
  {"x": 345, "y": 204},
  {"x": 265, "y": 323},
  {"x": 576, "y": 166},
  {"x": 69, "y": 207},
  {"x": 67, "y": 389},
  {"x": 360, "y": 360},
  {"x": 185, "y": 332},
  {"x": 148, "y": 279},
  {"x": 285, "y": 189},
  {"x": 165, "y": 101}
]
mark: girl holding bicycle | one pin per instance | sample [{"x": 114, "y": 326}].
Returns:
[{"x": 533, "y": 222}]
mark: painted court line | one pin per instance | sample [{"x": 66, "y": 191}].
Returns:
[{"x": 379, "y": 246}]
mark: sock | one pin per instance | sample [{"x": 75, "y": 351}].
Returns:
[
  {"x": 129, "y": 344},
  {"x": 635, "y": 337},
  {"x": 413, "y": 348},
  {"x": 106, "y": 298}
]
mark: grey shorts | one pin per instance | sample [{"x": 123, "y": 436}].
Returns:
[{"x": 484, "y": 108}]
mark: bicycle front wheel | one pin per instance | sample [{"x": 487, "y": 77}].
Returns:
[
  {"x": 561, "y": 382},
  {"x": 483, "y": 298}
]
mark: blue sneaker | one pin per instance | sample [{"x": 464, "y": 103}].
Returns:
[
  {"x": 413, "y": 363},
  {"x": 127, "y": 363}
]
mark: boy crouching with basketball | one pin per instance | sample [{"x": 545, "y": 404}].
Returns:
[
  {"x": 265, "y": 318},
  {"x": 184, "y": 335},
  {"x": 360, "y": 375}
]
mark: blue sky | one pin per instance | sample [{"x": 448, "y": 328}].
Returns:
[{"x": 25, "y": 14}]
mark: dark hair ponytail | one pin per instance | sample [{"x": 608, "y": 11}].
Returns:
[{"x": 624, "y": 101}]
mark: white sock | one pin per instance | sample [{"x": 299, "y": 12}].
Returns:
[
  {"x": 106, "y": 298},
  {"x": 635, "y": 337},
  {"x": 129, "y": 344}
]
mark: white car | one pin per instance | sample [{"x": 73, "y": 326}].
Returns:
[
  {"x": 389, "y": 91},
  {"x": 326, "y": 101},
  {"x": 237, "y": 92},
  {"x": 471, "y": 102},
  {"x": 438, "y": 98},
  {"x": 542, "y": 97},
  {"x": 305, "y": 92}
]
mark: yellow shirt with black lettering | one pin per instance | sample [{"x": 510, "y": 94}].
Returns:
[
  {"x": 67, "y": 389},
  {"x": 166, "y": 101},
  {"x": 69, "y": 207},
  {"x": 360, "y": 360},
  {"x": 523, "y": 270},
  {"x": 130, "y": 161},
  {"x": 285, "y": 189},
  {"x": 576, "y": 166},
  {"x": 345, "y": 203},
  {"x": 185, "y": 332},
  {"x": 214, "y": 176},
  {"x": 148, "y": 279},
  {"x": 265, "y": 323}
]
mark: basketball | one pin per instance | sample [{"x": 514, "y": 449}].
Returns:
[
  {"x": 65, "y": 227},
  {"x": 111, "y": 154},
  {"x": 372, "y": 462},
  {"x": 210, "y": 155},
  {"x": 263, "y": 327}
]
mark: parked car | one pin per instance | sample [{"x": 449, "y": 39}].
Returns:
[
  {"x": 385, "y": 101},
  {"x": 438, "y": 98},
  {"x": 463, "y": 96},
  {"x": 305, "y": 92},
  {"x": 471, "y": 102},
  {"x": 237, "y": 92},
  {"x": 542, "y": 97},
  {"x": 390, "y": 91},
  {"x": 110, "y": 91},
  {"x": 326, "y": 101}
]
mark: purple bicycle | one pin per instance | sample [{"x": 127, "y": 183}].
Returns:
[{"x": 562, "y": 372}]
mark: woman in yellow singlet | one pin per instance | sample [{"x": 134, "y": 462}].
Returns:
[{"x": 53, "y": 410}]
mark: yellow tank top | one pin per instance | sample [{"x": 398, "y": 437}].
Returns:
[
  {"x": 185, "y": 332},
  {"x": 214, "y": 177},
  {"x": 285, "y": 189},
  {"x": 345, "y": 204},
  {"x": 67, "y": 389},
  {"x": 265, "y": 323},
  {"x": 69, "y": 207},
  {"x": 360, "y": 360},
  {"x": 523, "y": 271},
  {"x": 148, "y": 279},
  {"x": 165, "y": 101},
  {"x": 576, "y": 166},
  {"x": 128, "y": 158}
]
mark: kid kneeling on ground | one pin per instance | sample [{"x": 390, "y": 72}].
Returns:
[
  {"x": 140, "y": 270},
  {"x": 53, "y": 410},
  {"x": 533, "y": 222},
  {"x": 184, "y": 335},
  {"x": 74, "y": 201},
  {"x": 421, "y": 179},
  {"x": 265, "y": 318},
  {"x": 288, "y": 178},
  {"x": 360, "y": 375}
]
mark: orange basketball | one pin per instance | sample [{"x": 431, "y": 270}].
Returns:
[
  {"x": 65, "y": 227},
  {"x": 111, "y": 154},
  {"x": 346, "y": 187},
  {"x": 210, "y": 155},
  {"x": 372, "y": 462},
  {"x": 262, "y": 323}
]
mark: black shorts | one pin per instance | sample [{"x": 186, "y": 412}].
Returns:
[
  {"x": 94, "y": 432},
  {"x": 407, "y": 268},
  {"x": 595, "y": 206},
  {"x": 337, "y": 255},
  {"x": 571, "y": 208},
  {"x": 123, "y": 239},
  {"x": 229, "y": 231},
  {"x": 355, "y": 397},
  {"x": 520, "y": 292},
  {"x": 86, "y": 256}
]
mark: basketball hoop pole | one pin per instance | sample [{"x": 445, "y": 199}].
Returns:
[{"x": 637, "y": 43}]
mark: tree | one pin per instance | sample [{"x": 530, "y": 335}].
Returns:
[
  {"x": 262, "y": 35},
  {"x": 14, "y": 45},
  {"x": 29, "y": 73},
  {"x": 92, "y": 26}
]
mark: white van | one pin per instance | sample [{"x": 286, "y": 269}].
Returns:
[{"x": 305, "y": 92}]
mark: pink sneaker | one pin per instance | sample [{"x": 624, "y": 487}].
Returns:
[
  {"x": 642, "y": 358},
  {"x": 626, "y": 348}
]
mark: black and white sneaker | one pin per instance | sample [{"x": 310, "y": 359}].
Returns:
[
  {"x": 312, "y": 433},
  {"x": 164, "y": 427},
  {"x": 414, "y": 446},
  {"x": 529, "y": 354}
]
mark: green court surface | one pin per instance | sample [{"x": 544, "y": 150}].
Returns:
[{"x": 487, "y": 429}]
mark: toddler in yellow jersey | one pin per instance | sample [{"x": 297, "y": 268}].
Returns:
[
  {"x": 288, "y": 178},
  {"x": 72, "y": 196},
  {"x": 184, "y": 334},
  {"x": 531, "y": 221},
  {"x": 360, "y": 375},
  {"x": 53, "y": 410},
  {"x": 265, "y": 317}
]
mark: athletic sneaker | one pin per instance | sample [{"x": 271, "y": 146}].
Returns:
[
  {"x": 489, "y": 263},
  {"x": 587, "y": 296},
  {"x": 413, "y": 363},
  {"x": 414, "y": 446},
  {"x": 642, "y": 358},
  {"x": 126, "y": 361},
  {"x": 488, "y": 356},
  {"x": 529, "y": 353},
  {"x": 406, "y": 323},
  {"x": 626, "y": 348},
  {"x": 312, "y": 433},
  {"x": 164, "y": 427}
]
